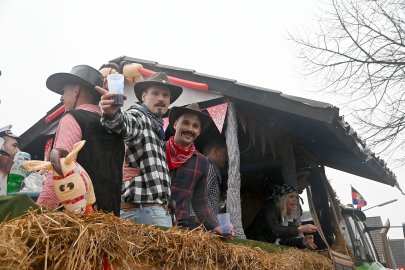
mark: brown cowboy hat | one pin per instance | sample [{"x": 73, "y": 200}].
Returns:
[
  {"x": 158, "y": 78},
  {"x": 83, "y": 74},
  {"x": 193, "y": 108}
]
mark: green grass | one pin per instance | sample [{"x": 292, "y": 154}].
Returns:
[{"x": 271, "y": 248}]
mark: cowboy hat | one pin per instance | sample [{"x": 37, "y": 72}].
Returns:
[
  {"x": 193, "y": 108},
  {"x": 158, "y": 78},
  {"x": 82, "y": 74}
]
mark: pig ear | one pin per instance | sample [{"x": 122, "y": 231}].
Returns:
[
  {"x": 36, "y": 165},
  {"x": 72, "y": 156}
]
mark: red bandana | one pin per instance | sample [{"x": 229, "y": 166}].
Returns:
[{"x": 176, "y": 155}]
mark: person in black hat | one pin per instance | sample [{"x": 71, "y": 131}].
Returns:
[
  {"x": 275, "y": 222},
  {"x": 189, "y": 168},
  {"x": 103, "y": 153},
  {"x": 145, "y": 197},
  {"x": 10, "y": 145}
]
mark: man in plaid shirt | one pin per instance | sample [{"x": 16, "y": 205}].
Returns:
[
  {"x": 188, "y": 167},
  {"x": 145, "y": 196},
  {"x": 216, "y": 152}
]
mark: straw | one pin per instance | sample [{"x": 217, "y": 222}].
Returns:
[{"x": 61, "y": 240}]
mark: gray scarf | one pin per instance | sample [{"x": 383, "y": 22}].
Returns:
[{"x": 157, "y": 122}]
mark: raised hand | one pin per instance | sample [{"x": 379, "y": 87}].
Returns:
[{"x": 107, "y": 99}]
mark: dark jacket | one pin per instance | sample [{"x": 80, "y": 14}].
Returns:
[{"x": 267, "y": 227}]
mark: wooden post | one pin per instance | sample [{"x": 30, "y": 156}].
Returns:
[{"x": 233, "y": 202}]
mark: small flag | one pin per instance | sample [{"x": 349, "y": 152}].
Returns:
[
  {"x": 358, "y": 199},
  {"x": 218, "y": 114}
]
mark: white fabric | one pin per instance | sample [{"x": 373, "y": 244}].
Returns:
[{"x": 233, "y": 201}]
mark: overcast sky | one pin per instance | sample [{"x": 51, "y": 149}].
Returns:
[{"x": 242, "y": 40}]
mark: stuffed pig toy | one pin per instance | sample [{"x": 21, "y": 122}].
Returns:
[
  {"x": 131, "y": 72},
  {"x": 74, "y": 188}
]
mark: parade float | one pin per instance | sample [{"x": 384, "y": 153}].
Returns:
[{"x": 271, "y": 137}]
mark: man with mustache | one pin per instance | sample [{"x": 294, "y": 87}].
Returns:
[
  {"x": 146, "y": 196},
  {"x": 188, "y": 167}
]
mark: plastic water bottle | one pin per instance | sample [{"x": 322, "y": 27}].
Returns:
[{"x": 17, "y": 172}]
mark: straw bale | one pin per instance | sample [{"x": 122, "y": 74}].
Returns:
[
  {"x": 60, "y": 240},
  {"x": 340, "y": 245},
  {"x": 13, "y": 252}
]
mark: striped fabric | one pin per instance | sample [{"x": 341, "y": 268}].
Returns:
[
  {"x": 233, "y": 202},
  {"x": 71, "y": 132}
]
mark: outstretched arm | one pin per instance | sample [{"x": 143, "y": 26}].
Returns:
[{"x": 128, "y": 124}]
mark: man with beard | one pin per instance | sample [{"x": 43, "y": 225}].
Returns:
[
  {"x": 103, "y": 153},
  {"x": 10, "y": 144},
  {"x": 188, "y": 167},
  {"x": 146, "y": 196},
  {"x": 8, "y": 149}
]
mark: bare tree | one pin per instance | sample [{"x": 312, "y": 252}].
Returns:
[{"x": 359, "y": 52}]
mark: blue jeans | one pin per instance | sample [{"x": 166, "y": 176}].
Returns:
[{"x": 148, "y": 215}]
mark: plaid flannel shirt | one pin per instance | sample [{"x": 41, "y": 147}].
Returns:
[
  {"x": 145, "y": 150},
  {"x": 189, "y": 187},
  {"x": 214, "y": 192}
]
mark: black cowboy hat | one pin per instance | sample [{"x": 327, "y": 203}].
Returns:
[
  {"x": 193, "y": 108},
  {"x": 83, "y": 74},
  {"x": 158, "y": 78}
]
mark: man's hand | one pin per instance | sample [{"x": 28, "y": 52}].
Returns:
[
  {"x": 107, "y": 99},
  {"x": 218, "y": 230},
  {"x": 55, "y": 156},
  {"x": 129, "y": 172}
]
